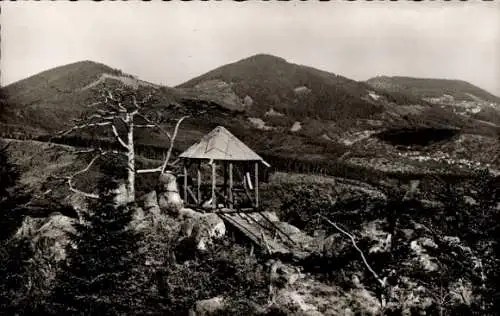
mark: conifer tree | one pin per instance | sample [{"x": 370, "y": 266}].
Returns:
[
  {"x": 12, "y": 195},
  {"x": 14, "y": 254},
  {"x": 102, "y": 257}
]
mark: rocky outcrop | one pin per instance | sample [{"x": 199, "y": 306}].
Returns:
[
  {"x": 150, "y": 202},
  {"x": 208, "y": 307},
  {"x": 200, "y": 229},
  {"x": 380, "y": 240},
  {"x": 50, "y": 235},
  {"x": 419, "y": 246},
  {"x": 169, "y": 199},
  {"x": 78, "y": 202},
  {"x": 297, "y": 126},
  {"x": 300, "y": 238},
  {"x": 296, "y": 293}
]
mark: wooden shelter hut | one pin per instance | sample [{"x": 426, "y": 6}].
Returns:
[{"x": 223, "y": 153}]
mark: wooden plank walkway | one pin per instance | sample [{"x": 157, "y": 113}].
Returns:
[{"x": 266, "y": 236}]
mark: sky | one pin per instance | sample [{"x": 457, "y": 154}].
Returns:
[{"x": 171, "y": 42}]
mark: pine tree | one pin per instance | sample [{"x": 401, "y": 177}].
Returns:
[
  {"x": 12, "y": 195},
  {"x": 101, "y": 261},
  {"x": 14, "y": 253}
]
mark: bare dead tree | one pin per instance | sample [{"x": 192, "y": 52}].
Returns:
[{"x": 121, "y": 107}]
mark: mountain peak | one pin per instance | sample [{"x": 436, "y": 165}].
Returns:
[{"x": 265, "y": 57}]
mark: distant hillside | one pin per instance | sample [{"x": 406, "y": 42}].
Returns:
[
  {"x": 281, "y": 110},
  {"x": 429, "y": 88},
  {"x": 460, "y": 96},
  {"x": 47, "y": 102},
  {"x": 267, "y": 82}
]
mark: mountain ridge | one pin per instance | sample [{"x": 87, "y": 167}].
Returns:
[
  {"x": 459, "y": 96},
  {"x": 272, "y": 83},
  {"x": 429, "y": 85},
  {"x": 272, "y": 105}
]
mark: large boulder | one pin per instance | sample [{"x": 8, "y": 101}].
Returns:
[
  {"x": 169, "y": 199},
  {"x": 78, "y": 202},
  {"x": 379, "y": 239},
  {"x": 419, "y": 247},
  {"x": 336, "y": 245},
  {"x": 200, "y": 229},
  {"x": 140, "y": 221},
  {"x": 121, "y": 196},
  {"x": 51, "y": 234},
  {"x": 150, "y": 202},
  {"x": 208, "y": 307}
]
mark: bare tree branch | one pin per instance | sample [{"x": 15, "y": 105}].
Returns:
[
  {"x": 145, "y": 125},
  {"x": 87, "y": 120},
  {"x": 158, "y": 169},
  {"x": 138, "y": 105},
  {"x": 118, "y": 138},
  {"x": 157, "y": 125},
  {"x": 117, "y": 103},
  {"x": 94, "y": 104},
  {"x": 69, "y": 179},
  {"x": 169, "y": 153},
  {"x": 107, "y": 112},
  {"x": 86, "y": 151},
  {"x": 77, "y": 127}
]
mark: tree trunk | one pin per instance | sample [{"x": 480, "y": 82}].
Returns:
[{"x": 130, "y": 158}]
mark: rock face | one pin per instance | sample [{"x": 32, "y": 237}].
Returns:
[
  {"x": 121, "y": 197},
  {"x": 296, "y": 293},
  {"x": 169, "y": 199},
  {"x": 374, "y": 232},
  {"x": 335, "y": 245},
  {"x": 297, "y": 126},
  {"x": 199, "y": 228},
  {"x": 78, "y": 202},
  {"x": 150, "y": 201},
  {"x": 50, "y": 235},
  {"x": 419, "y": 248},
  {"x": 208, "y": 307}
]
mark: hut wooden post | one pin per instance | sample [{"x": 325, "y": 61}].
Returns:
[
  {"x": 256, "y": 186},
  {"x": 185, "y": 184},
  {"x": 214, "y": 202},
  {"x": 224, "y": 173},
  {"x": 199, "y": 183},
  {"x": 230, "y": 193}
]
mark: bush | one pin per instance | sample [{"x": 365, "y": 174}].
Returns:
[{"x": 225, "y": 269}]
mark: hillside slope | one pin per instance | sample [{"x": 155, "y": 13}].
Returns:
[
  {"x": 459, "y": 96},
  {"x": 267, "y": 82},
  {"x": 279, "y": 109},
  {"x": 431, "y": 87},
  {"x": 46, "y": 103}
]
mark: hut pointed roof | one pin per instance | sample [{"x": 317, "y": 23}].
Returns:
[{"x": 220, "y": 144}]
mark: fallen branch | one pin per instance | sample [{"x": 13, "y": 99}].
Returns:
[{"x": 383, "y": 282}]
